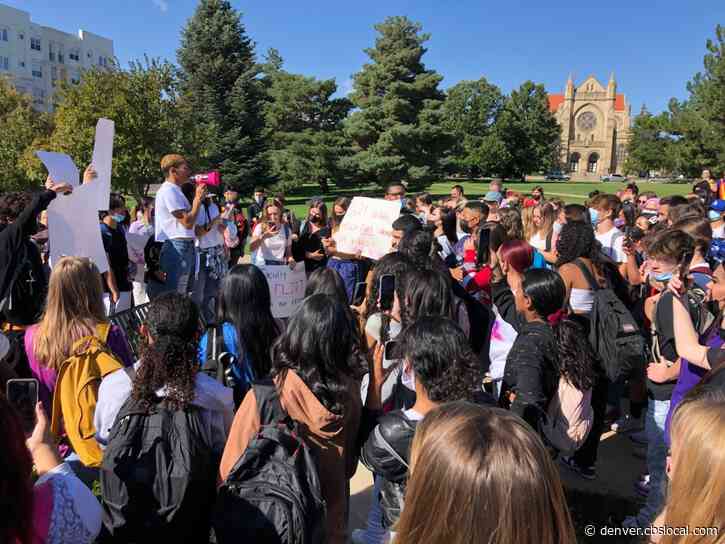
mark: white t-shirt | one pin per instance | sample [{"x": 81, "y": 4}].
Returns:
[
  {"x": 213, "y": 238},
  {"x": 169, "y": 199},
  {"x": 719, "y": 232},
  {"x": 273, "y": 248},
  {"x": 538, "y": 242},
  {"x": 612, "y": 244}
]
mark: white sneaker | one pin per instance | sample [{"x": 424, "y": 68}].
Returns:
[
  {"x": 358, "y": 536},
  {"x": 627, "y": 424}
]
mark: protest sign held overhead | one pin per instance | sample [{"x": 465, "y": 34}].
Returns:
[{"x": 368, "y": 227}]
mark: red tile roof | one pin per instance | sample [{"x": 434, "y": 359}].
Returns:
[{"x": 555, "y": 100}]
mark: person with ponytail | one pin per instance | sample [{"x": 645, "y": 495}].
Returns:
[
  {"x": 550, "y": 344},
  {"x": 168, "y": 368}
]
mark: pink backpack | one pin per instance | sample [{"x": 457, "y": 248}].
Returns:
[{"x": 570, "y": 418}]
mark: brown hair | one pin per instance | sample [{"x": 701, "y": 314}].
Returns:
[
  {"x": 698, "y": 464},
  {"x": 481, "y": 475},
  {"x": 344, "y": 203},
  {"x": 606, "y": 203},
  {"x": 510, "y": 220},
  {"x": 670, "y": 244},
  {"x": 698, "y": 227},
  {"x": 171, "y": 161},
  {"x": 73, "y": 309}
]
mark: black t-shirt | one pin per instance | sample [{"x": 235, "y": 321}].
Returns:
[
  {"x": 114, "y": 242},
  {"x": 310, "y": 242},
  {"x": 664, "y": 324}
]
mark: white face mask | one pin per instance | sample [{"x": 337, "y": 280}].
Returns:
[
  {"x": 557, "y": 227},
  {"x": 408, "y": 378}
]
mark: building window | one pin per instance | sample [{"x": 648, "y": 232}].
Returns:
[
  {"x": 4, "y": 34},
  {"x": 37, "y": 71},
  {"x": 35, "y": 44},
  {"x": 90, "y": 54},
  {"x": 21, "y": 64},
  {"x": 574, "y": 162},
  {"x": 5, "y": 63},
  {"x": 75, "y": 77},
  {"x": 592, "y": 163},
  {"x": 21, "y": 36},
  {"x": 587, "y": 121},
  {"x": 74, "y": 55}
]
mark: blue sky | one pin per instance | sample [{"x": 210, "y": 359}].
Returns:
[{"x": 654, "y": 47}]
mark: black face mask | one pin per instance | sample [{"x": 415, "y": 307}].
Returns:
[
  {"x": 315, "y": 219},
  {"x": 465, "y": 227},
  {"x": 338, "y": 217}
]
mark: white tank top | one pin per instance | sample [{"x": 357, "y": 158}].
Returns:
[{"x": 581, "y": 300}]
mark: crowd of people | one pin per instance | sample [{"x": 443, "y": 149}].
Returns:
[{"x": 495, "y": 343}]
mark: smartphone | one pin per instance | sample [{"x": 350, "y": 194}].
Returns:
[
  {"x": 484, "y": 243},
  {"x": 23, "y": 395},
  {"x": 359, "y": 293},
  {"x": 387, "y": 292},
  {"x": 392, "y": 351}
]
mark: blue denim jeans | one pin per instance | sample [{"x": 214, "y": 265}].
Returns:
[
  {"x": 178, "y": 262},
  {"x": 654, "y": 426},
  {"x": 205, "y": 293}
]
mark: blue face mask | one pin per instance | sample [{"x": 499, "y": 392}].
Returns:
[
  {"x": 118, "y": 218},
  {"x": 663, "y": 276},
  {"x": 593, "y": 216},
  {"x": 712, "y": 215}
]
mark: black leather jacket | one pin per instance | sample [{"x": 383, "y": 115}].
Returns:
[{"x": 386, "y": 453}]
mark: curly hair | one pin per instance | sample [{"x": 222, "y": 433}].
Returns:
[
  {"x": 319, "y": 345},
  {"x": 12, "y": 204},
  {"x": 170, "y": 358},
  {"x": 577, "y": 240},
  {"x": 442, "y": 359},
  {"x": 510, "y": 220},
  {"x": 577, "y": 361}
]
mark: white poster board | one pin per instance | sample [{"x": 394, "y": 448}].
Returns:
[
  {"x": 73, "y": 224},
  {"x": 74, "y": 229},
  {"x": 368, "y": 227},
  {"x": 286, "y": 288}
]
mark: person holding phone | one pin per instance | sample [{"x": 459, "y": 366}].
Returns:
[
  {"x": 272, "y": 239},
  {"x": 312, "y": 231},
  {"x": 57, "y": 507}
]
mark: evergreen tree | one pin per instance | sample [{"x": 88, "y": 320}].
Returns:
[
  {"x": 223, "y": 96},
  {"x": 651, "y": 146},
  {"x": 397, "y": 130},
  {"x": 304, "y": 126}
]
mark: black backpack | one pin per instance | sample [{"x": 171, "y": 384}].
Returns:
[
  {"x": 23, "y": 302},
  {"x": 158, "y": 476},
  {"x": 273, "y": 493},
  {"x": 613, "y": 332}
]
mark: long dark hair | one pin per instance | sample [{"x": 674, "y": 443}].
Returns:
[
  {"x": 244, "y": 301},
  {"x": 424, "y": 293},
  {"x": 344, "y": 203},
  {"x": 448, "y": 222},
  {"x": 16, "y": 466},
  {"x": 327, "y": 281},
  {"x": 318, "y": 204},
  {"x": 576, "y": 359},
  {"x": 318, "y": 345},
  {"x": 421, "y": 247},
  {"x": 170, "y": 359},
  {"x": 442, "y": 359}
]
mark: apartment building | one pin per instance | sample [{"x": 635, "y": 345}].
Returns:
[{"x": 37, "y": 57}]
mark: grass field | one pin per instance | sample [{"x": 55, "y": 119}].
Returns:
[{"x": 570, "y": 192}]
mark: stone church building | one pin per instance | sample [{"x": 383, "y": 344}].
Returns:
[{"x": 595, "y": 123}]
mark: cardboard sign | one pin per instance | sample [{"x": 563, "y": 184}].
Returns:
[
  {"x": 60, "y": 166},
  {"x": 368, "y": 227},
  {"x": 286, "y": 288}
]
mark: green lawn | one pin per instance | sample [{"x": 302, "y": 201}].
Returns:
[{"x": 571, "y": 191}]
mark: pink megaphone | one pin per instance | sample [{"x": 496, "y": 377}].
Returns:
[{"x": 213, "y": 178}]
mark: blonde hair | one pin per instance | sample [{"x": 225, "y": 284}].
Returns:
[
  {"x": 527, "y": 220},
  {"x": 171, "y": 161},
  {"x": 73, "y": 309},
  {"x": 548, "y": 216},
  {"x": 698, "y": 466},
  {"x": 481, "y": 475}
]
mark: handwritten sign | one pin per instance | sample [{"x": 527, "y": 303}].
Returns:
[
  {"x": 286, "y": 288},
  {"x": 368, "y": 227}
]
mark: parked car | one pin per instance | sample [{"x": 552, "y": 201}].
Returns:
[
  {"x": 614, "y": 177},
  {"x": 557, "y": 175}
]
